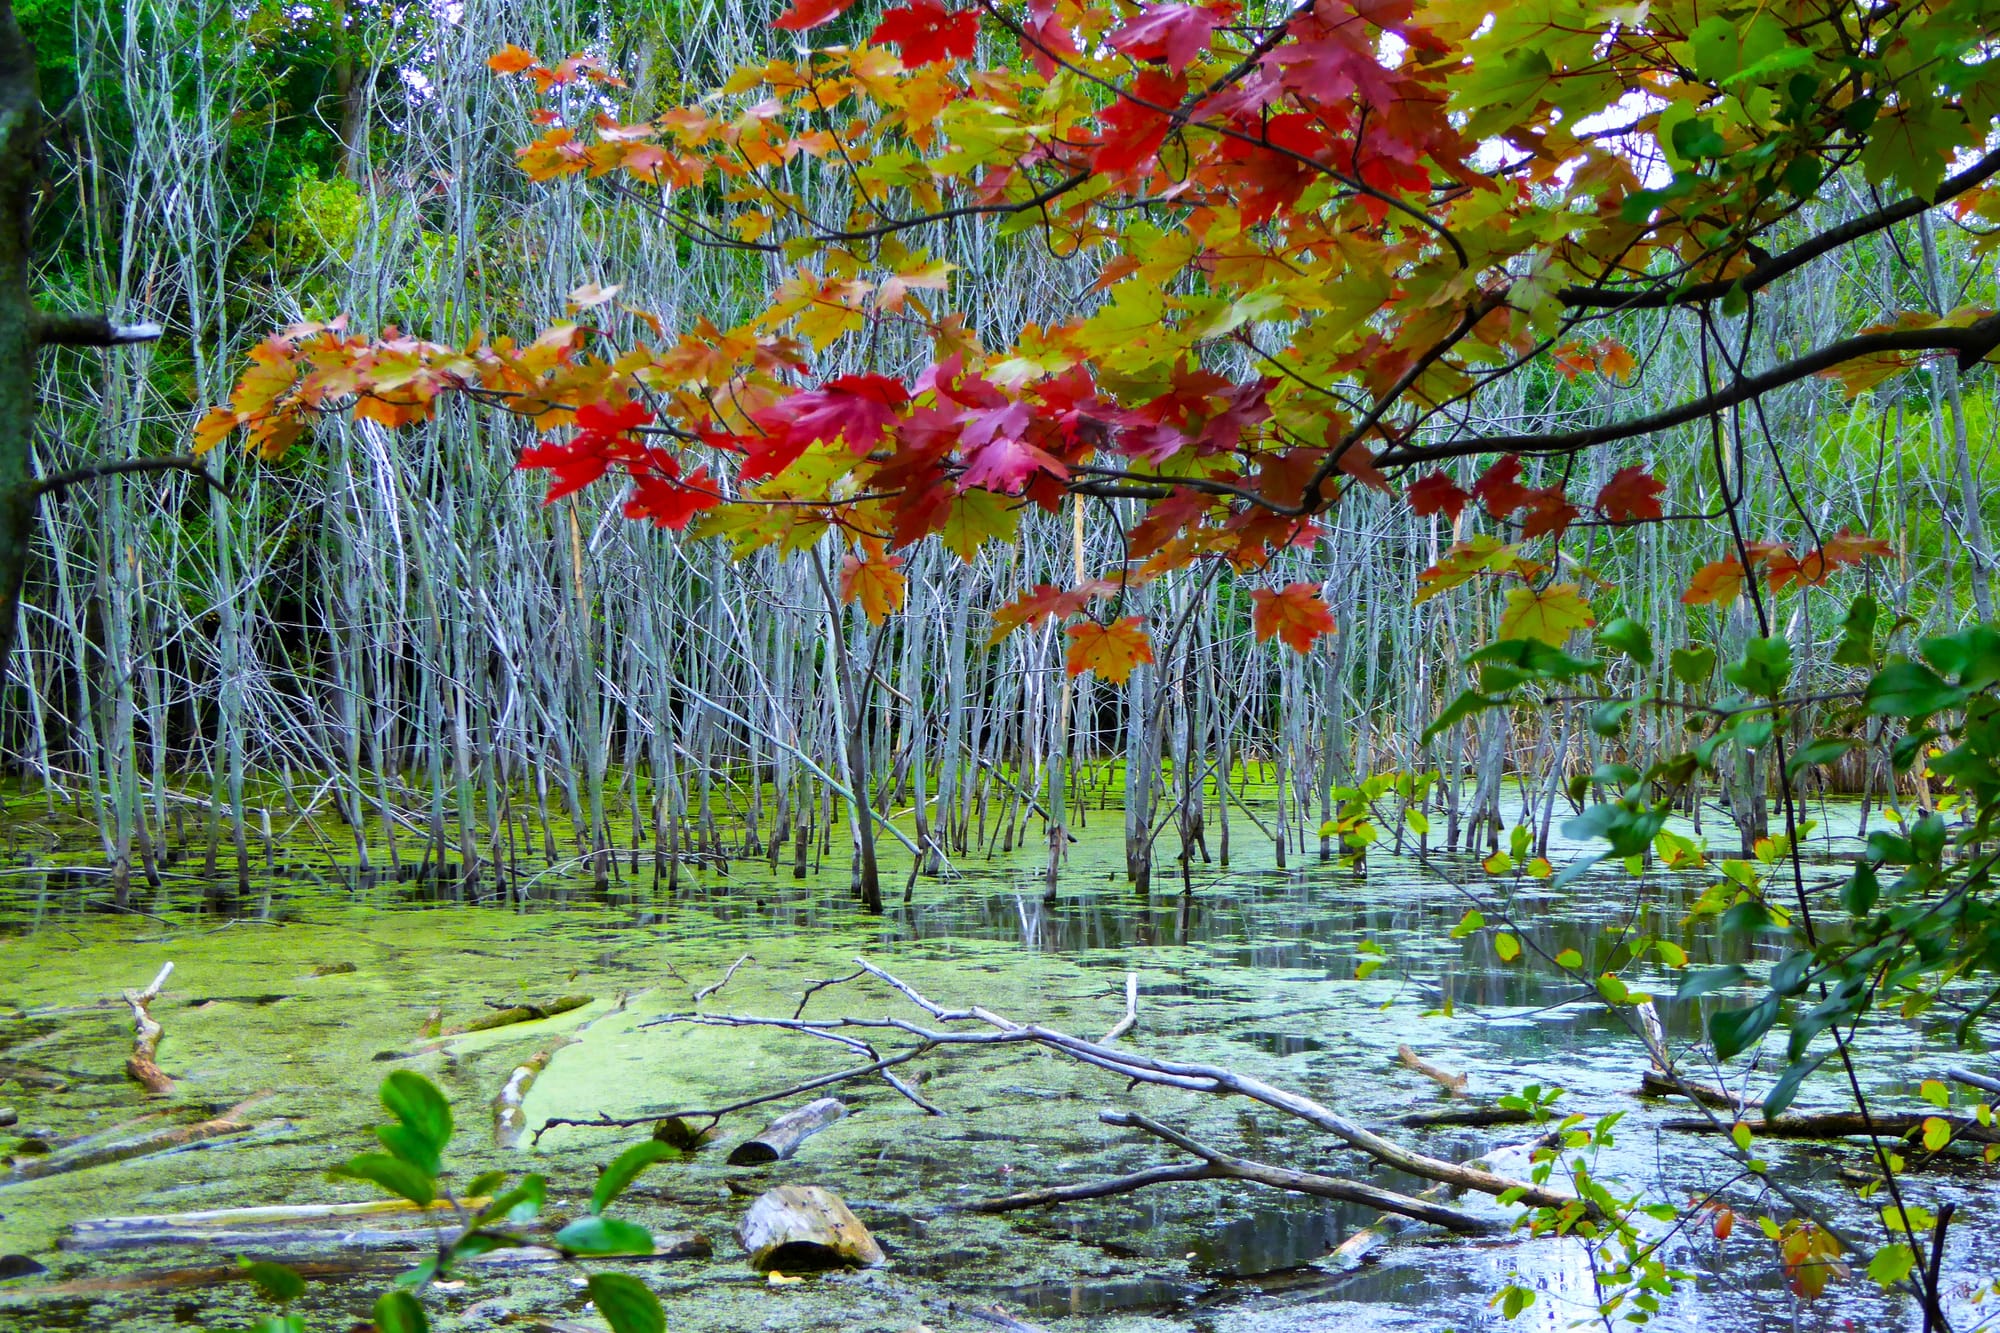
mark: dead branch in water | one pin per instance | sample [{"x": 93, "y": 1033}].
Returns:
[
  {"x": 82, "y": 1158},
  {"x": 946, "y": 1034},
  {"x": 1217, "y": 1165},
  {"x": 143, "y": 1064},
  {"x": 1453, "y": 1084}
]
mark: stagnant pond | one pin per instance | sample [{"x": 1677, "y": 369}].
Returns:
[{"x": 329, "y": 983}]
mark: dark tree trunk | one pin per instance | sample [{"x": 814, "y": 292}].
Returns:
[{"x": 20, "y": 135}]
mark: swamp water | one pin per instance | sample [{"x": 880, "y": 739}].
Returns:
[{"x": 1256, "y": 971}]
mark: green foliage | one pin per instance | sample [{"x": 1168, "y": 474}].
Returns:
[{"x": 412, "y": 1169}]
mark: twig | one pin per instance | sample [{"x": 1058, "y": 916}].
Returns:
[
  {"x": 707, "y": 991},
  {"x": 1131, "y": 1019},
  {"x": 1454, "y": 1084}
]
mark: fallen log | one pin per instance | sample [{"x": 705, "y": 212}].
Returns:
[
  {"x": 510, "y": 1122},
  {"x": 525, "y": 1013},
  {"x": 1453, "y": 1084},
  {"x": 143, "y": 1065},
  {"x": 803, "y": 1226},
  {"x": 1216, "y": 1165},
  {"x": 782, "y": 1137},
  {"x": 1843, "y": 1125},
  {"x": 145, "y": 1145},
  {"x": 1511, "y": 1157}
]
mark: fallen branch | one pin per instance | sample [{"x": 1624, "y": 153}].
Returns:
[
  {"x": 525, "y": 1013},
  {"x": 1844, "y": 1125},
  {"x": 670, "y": 1246},
  {"x": 1218, "y": 1165},
  {"x": 1653, "y": 1083},
  {"x": 1453, "y": 1084},
  {"x": 1971, "y": 1080},
  {"x": 707, "y": 991},
  {"x": 145, "y": 1145},
  {"x": 143, "y": 1065},
  {"x": 1131, "y": 1018}
]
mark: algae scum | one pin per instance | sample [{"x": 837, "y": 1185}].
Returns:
[{"x": 307, "y": 1003}]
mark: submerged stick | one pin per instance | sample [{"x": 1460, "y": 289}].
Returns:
[
  {"x": 1453, "y": 1084},
  {"x": 709, "y": 990},
  {"x": 509, "y": 1120},
  {"x": 158, "y": 1141},
  {"x": 142, "y": 1066}
]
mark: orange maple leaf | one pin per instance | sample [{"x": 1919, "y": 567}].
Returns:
[
  {"x": 877, "y": 582},
  {"x": 1294, "y": 613},
  {"x": 510, "y": 59},
  {"x": 1719, "y": 581},
  {"x": 1112, "y": 651}
]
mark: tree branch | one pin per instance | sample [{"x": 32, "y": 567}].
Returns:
[
  {"x": 188, "y": 463},
  {"x": 1972, "y": 343},
  {"x": 1778, "y": 266}
]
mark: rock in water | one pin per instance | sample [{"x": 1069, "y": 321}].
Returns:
[{"x": 804, "y": 1226}]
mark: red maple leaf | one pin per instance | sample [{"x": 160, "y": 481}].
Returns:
[
  {"x": 1499, "y": 488},
  {"x": 926, "y": 32},
  {"x": 1177, "y": 34},
  {"x": 1631, "y": 496},
  {"x": 1294, "y": 613},
  {"x": 1549, "y": 511},
  {"x": 1045, "y": 601},
  {"x": 1137, "y": 123},
  {"x": 1045, "y": 38},
  {"x": 1437, "y": 494},
  {"x": 998, "y": 456},
  {"x": 670, "y": 504},
  {"x": 860, "y": 409},
  {"x": 806, "y": 14}
]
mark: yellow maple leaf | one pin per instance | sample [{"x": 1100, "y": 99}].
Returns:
[{"x": 1548, "y": 614}]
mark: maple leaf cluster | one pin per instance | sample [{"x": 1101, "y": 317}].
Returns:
[{"x": 1317, "y": 235}]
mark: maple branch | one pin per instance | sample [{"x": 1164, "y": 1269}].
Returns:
[
  {"x": 1972, "y": 343},
  {"x": 188, "y": 463},
  {"x": 1770, "y": 270}
]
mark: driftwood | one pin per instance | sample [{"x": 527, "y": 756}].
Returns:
[
  {"x": 782, "y": 1137},
  {"x": 1845, "y": 1125},
  {"x": 143, "y": 1065},
  {"x": 995, "y": 1030},
  {"x": 1453, "y": 1084},
  {"x": 1217, "y": 1165},
  {"x": 344, "y": 1240},
  {"x": 804, "y": 1226},
  {"x": 82, "y": 1157}
]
